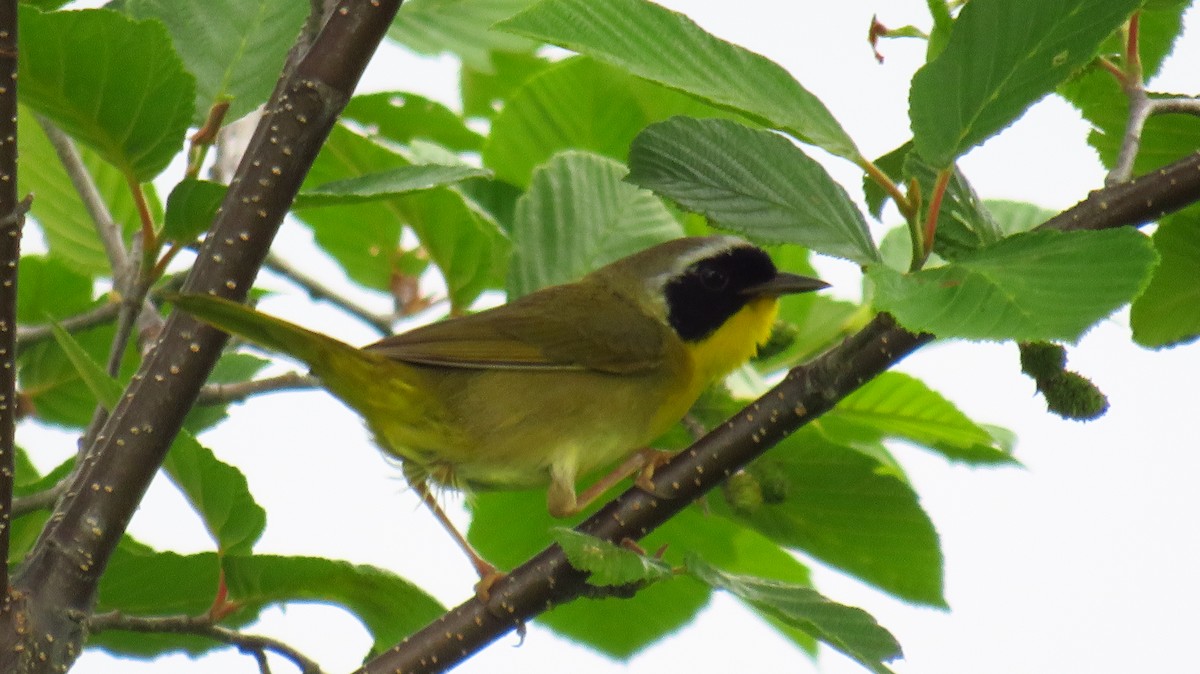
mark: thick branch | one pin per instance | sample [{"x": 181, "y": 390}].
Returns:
[
  {"x": 807, "y": 392},
  {"x": 12, "y": 217},
  {"x": 59, "y": 579}
]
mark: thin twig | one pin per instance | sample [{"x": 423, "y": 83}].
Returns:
[
  {"x": 1140, "y": 110},
  {"x": 32, "y": 334},
  {"x": 1142, "y": 106},
  {"x": 219, "y": 394},
  {"x": 202, "y": 626},
  {"x": 319, "y": 291},
  {"x": 42, "y": 500},
  {"x": 1183, "y": 105},
  {"x": 107, "y": 229}
]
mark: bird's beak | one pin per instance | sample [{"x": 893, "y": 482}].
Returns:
[{"x": 784, "y": 284}]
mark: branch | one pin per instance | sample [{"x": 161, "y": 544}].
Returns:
[
  {"x": 12, "y": 217},
  {"x": 217, "y": 394},
  {"x": 1141, "y": 106},
  {"x": 808, "y": 391},
  {"x": 202, "y": 626},
  {"x": 32, "y": 334},
  {"x": 41, "y": 500},
  {"x": 57, "y": 582},
  {"x": 106, "y": 228}
]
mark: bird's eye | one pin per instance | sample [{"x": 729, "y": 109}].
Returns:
[{"x": 713, "y": 279}]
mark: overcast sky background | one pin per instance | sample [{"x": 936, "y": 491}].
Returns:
[{"x": 1083, "y": 561}]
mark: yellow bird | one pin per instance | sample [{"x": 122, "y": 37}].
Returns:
[{"x": 553, "y": 385}]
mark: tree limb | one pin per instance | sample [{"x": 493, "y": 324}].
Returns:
[
  {"x": 808, "y": 391},
  {"x": 12, "y": 217},
  {"x": 58, "y": 581}
]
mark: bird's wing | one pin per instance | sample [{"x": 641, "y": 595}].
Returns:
[{"x": 572, "y": 327}]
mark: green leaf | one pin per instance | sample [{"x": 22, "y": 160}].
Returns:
[
  {"x": 105, "y": 389},
  {"x": 69, "y": 230},
  {"x": 386, "y": 184},
  {"x": 218, "y": 492},
  {"x": 847, "y": 629},
  {"x": 1014, "y": 217},
  {"x": 578, "y": 215},
  {"x": 461, "y": 238},
  {"x": 462, "y": 27},
  {"x": 1043, "y": 285},
  {"x": 751, "y": 181},
  {"x": 738, "y": 549},
  {"x": 666, "y": 47},
  {"x": 53, "y": 385},
  {"x": 463, "y": 241},
  {"x": 126, "y": 95},
  {"x": 141, "y": 581},
  {"x": 608, "y": 565},
  {"x": 235, "y": 49},
  {"x": 389, "y": 606},
  {"x": 509, "y": 527},
  {"x": 850, "y": 510},
  {"x": 1002, "y": 56},
  {"x": 1168, "y": 312},
  {"x": 484, "y": 92},
  {"x": 896, "y": 405},
  {"x": 48, "y": 288},
  {"x": 402, "y": 117},
  {"x": 578, "y": 104},
  {"x": 191, "y": 208}
]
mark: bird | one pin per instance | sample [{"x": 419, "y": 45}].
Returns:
[{"x": 554, "y": 385}]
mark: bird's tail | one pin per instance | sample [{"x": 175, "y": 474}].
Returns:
[{"x": 332, "y": 360}]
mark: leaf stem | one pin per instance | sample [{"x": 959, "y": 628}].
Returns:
[
  {"x": 875, "y": 173},
  {"x": 931, "y": 217},
  {"x": 149, "y": 235},
  {"x": 204, "y": 138}
]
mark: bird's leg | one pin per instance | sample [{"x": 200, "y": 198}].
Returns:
[
  {"x": 488, "y": 573},
  {"x": 562, "y": 501},
  {"x": 653, "y": 460}
]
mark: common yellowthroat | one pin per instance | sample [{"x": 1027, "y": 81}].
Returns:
[{"x": 553, "y": 385}]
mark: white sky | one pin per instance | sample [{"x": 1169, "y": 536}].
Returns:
[{"x": 1085, "y": 561}]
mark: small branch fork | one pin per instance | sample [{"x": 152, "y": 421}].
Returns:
[
  {"x": 1142, "y": 104},
  {"x": 202, "y": 625},
  {"x": 808, "y": 391}
]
